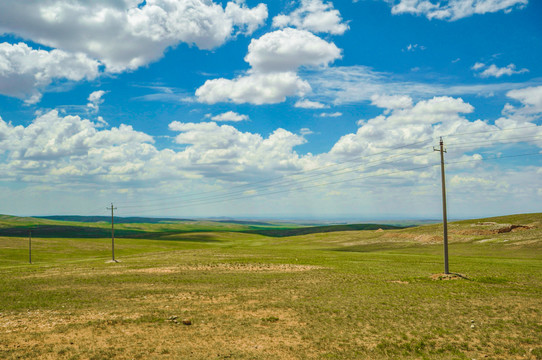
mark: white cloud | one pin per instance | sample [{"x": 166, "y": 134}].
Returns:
[
  {"x": 478, "y": 66},
  {"x": 392, "y": 102},
  {"x": 426, "y": 121},
  {"x": 229, "y": 116},
  {"x": 273, "y": 58},
  {"x": 25, "y": 72},
  {"x": 75, "y": 156},
  {"x": 288, "y": 49},
  {"x": 452, "y": 10},
  {"x": 308, "y": 104},
  {"x": 405, "y": 124},
  {"x": 125, "y": 34},
  {"x": 414, "y": 47},
  {"x": 51, "y": 137},
  {"x": 95, "y": 100},
  {"x": 313, "y": 15},
  {"x": 224, "y": 152},
  {"x": 335, "y": 114},
  {"x": 531, "y": 99},
  {"x": 494, "y": 71},
  {"x": 270, "y": 88},
  {"x": 352, "y": 84}
]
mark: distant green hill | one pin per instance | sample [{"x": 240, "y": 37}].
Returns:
[
  {"x": 155, "y": 228},
  {"x": 321, "y": 229},
  {"x": 118, "y": 219}
]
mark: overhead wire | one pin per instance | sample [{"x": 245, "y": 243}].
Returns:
[
  {"x": 291, "y": 181},
  {"x": 340, "y": 168},
  {"x": 243, "y": 187},
  {"x": 339, "y": 163},
  {"x": 347, "y": 180},
  {"x": 492, "y": 130},
  {"x": 493, "y": 141}
]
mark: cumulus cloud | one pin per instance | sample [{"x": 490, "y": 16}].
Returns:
[
  {"x": 51, "y": 137},
  {"x": 274, "y": 59},
  {"x": 530, "y": 97},
  {"x": 392, "y": 101},
  {"x": 258, "y": 89},
  {"x": 26, "y": 72},
  {"x": 223, "y": 151},
  {"x": 452, "y": 10},
  {"x": 126, "y": 34},
  {"x": 313, "y": 15},
  {"x": 95, "y": 100},
  {"x": 69, "y": 151},
  {"x": 229, "y": 116},
  {"x": 288, "y": 49},
  {"x": 531, "y": 101},
  {"x": 308, "y": 104},
  {"x": 334, "y": 114},
  {"x": 58, "y": 149},
  {"x": 494, "y": 71},
  {"x": 405, "y": 123}
]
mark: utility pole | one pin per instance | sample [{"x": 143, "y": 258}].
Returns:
[
  {"x": 112, "y": 208},
  {"x": 444, "y": 215},
  {"x": 30, "y": 247}
]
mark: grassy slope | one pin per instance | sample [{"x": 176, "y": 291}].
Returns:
[
  {"x": 343, "y": 295},
  {"x": 52, "y": 228}
]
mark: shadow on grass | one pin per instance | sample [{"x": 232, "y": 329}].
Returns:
[
  {"x": 320, "y": 229},
  {"x": 65, "y": 231},
  {"x": 89, "y": 232}
]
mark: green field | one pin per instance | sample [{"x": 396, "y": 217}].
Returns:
[{"x": 265, "y": 292}]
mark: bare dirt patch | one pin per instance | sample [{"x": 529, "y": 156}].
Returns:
[
  {"x": 229, "y": 267},
  {"x": 447, "y": 277},
  {"x": 421, "y": 238},
  {"x": 490, "y": 228}
]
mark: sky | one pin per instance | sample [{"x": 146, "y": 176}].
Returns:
[{"x": 304, "y": 109}]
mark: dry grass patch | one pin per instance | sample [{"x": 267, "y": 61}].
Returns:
[{"x": 227, "y": 267}]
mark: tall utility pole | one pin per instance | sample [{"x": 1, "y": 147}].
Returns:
[
  {"x": 444, "y": 215},
  {"x": 112, "y": 208}
]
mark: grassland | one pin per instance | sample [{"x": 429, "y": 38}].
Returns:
[{"x": 338, "y": 295}]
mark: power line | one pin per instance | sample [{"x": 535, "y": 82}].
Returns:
[
  {"x": 493, "y": 130},
  {"x": 289, "y": 182},
  {"x": 212, "y": 201},
  {"x": 496, "y": 158},
  {"x": 494, "y": 141},
  {"x": 298, "y": 188},
  {"x": 340, "y": 163},
  {"x": 304, "y": 173}
]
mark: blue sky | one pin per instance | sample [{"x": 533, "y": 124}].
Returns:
[{"x": 284, "y": 109}]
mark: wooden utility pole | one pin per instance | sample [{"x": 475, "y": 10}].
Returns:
[
  {"x": 444, "y": 215},
  {"x": 112, "y": 208}
]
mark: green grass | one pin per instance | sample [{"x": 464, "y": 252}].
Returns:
[{"x": 339, "y": 295}]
